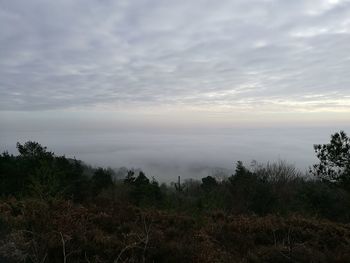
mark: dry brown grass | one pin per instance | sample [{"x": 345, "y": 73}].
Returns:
[{"x": 62, "y": 231}]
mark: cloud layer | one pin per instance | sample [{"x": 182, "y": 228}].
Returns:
[{"x": 267, "y": 55}]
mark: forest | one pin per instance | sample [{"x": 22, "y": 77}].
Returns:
[{"x": 58, "y": 209}]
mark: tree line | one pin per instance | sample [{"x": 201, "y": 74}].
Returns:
[
  {"x": 58, "y": 209},
  {"x": 261, "y": 189}
]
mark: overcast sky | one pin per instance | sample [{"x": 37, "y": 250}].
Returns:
[{"x": 186, "y": 65}]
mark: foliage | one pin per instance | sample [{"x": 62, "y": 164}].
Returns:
[
  {"x": 33, "y": 150},
  {"x": 104, "y": 231},
  {"x": 334, "y": 157},
  {"x": 209, "y": 183},
  {"x": 56, "y": 209},
  {"x": 142, "y": 190},
  {"x": 101, "y": 179},
  {"x": 37, "y": 172}
]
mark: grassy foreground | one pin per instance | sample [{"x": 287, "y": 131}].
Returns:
[{"x": 108, "y": 231}]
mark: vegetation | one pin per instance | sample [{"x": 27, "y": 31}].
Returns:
[
  {"x": 334, "y": 166},
  {"x": 56, "y": 209}
]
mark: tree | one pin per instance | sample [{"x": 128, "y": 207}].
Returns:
[
  {"x": 101, "y": 179},
  {"x": 209, "y": 183},
  {"x": 45, "y": 182},
  {"x": 32, "y": 150},
  {"x": 12, "y": 178},
  {"x": 334, "y": 160},
  {"x": 241, "y": 174},
  {"x": 142, "y": 190},
  {"x": 130, "y": 177},
  {"x": 141, "y": 179},
  {"x": 243, "y": 187}
]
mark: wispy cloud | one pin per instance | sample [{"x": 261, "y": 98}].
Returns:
[{"x": 268, "y": 55}]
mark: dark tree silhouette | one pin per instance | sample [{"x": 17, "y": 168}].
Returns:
[
  {"x": 130, "y": 177},
  {"x": 32, "y": 149},
  {"x": 208, "y": 183},
  {"x": 101, "y": 179},
  {"x": 334, "y": 160},
  {"x": 141, "y": 179},
  {"x": 36, "y": 171}
]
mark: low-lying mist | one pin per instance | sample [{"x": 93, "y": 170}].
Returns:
[{"x": 168, "y": 153}]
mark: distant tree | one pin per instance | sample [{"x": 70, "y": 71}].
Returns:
[
  {"x": 156, "y": 192},
  {"x": 208, "y": 183},
  {"x": 130, "y": 177},
  {"x": 243, "y": 186},
  {"x": 142, "y": 190},
  {"x": 178, "y": 186},
  {"x": 32, "y": 149},
  {"x": 334, "y": 160},
  {"x": 141, "y": 179},
  {"x": 16, "y": 171},
  {"x": 12, "y": 179},
  {"x": 241, "y": 173},
  {"x": 45, "y": 182},
  {"x": 36, "y": 171},
  {"x": 101, "y": 179}
]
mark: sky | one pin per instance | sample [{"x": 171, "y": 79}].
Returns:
[{"x": 175, "y": 85}]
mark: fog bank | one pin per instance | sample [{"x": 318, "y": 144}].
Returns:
[{"x": 166, "y": 152}]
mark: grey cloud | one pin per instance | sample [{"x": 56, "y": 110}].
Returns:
[{"x": 71, "y": 54}]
